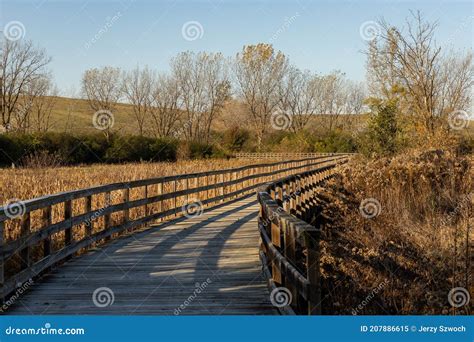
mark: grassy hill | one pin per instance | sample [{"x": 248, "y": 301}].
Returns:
[{"x": 75, "y": 116}]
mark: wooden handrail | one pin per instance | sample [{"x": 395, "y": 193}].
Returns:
[
  {"x": 219, "y": 186},
  {"x": 289, "y": 248}
]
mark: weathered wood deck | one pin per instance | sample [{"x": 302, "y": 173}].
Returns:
[{"x": 159, "y": 271}]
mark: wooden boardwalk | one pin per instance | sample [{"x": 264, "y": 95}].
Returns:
[{"x": 204, "y": 265}]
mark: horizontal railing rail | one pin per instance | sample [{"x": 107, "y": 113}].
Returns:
[
  {"x": 289, "y": 248},
  {"x": 52, "y": 228},
  {"x": 276, "y": 155}
]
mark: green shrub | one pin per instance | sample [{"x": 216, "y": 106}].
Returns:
[
  {"x": 83, "y": 149},
  {"x": 139, "y": 148},
  {"x": 336, "y": 141},
  {"x": 236, "y": 138}
]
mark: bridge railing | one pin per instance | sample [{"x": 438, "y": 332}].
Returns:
[
  {"x": 276, "y": 155},
  {"x": 289, "y": 248},
  {"x": 38, "y": 233}
]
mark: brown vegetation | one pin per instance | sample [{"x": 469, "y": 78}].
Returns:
[{"x": 406, "y": 259}]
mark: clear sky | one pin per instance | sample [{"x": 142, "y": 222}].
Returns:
[{"x": 316, "y": 35}]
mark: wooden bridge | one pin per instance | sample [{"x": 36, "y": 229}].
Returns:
[{"x": 198, "y": 243}]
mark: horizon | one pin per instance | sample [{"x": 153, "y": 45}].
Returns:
[{"x": 93, "y": 34}]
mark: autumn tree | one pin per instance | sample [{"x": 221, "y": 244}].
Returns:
[
  {"x": 165, "y": 110},
  {"x": 204, "y": 88},
  {"x": 408, "y": 64},
  {"x": 21, "y": 66},
  {"x": 138, "y": 86},
  {"x": 36, "y": 105},
  {"x": 102, "y": 89},
  {"x": 299, "y": 97},
  {"x": 259, "y": 72}
]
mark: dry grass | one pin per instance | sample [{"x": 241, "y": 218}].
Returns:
[
  {"x": 22, "y": 184},
  {"x": 408, "y": 258},
  {"x": 26, "y": 183}
]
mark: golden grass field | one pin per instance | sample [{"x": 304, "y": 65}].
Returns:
[{"x": 28, "y": 183}]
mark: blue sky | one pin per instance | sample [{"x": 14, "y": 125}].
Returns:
[{"x": 316, "y": 35}]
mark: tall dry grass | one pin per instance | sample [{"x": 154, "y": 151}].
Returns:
[
  {"x": 26, "y": 183},
  {"x": 407, "y": 258}
]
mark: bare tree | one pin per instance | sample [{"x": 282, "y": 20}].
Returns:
[
  {"x": 165, "y": 106},
  {"x": 21, "y": 64},
  {"x": 333, "y": 97},
  {"x": 204, "y": 88},
  {"x": 35, "y": 106},
  {"x": 259, "y": 71},
  {"x": 138, "y": 90},
  {"x": 102, "y": 88},
  {"x": 299, "y": 97},
  {"x": 408, "y": 64}
]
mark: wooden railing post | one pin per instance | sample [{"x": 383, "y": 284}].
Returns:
[
  {"x": 90, "y": 222},
  {"x": 126, "y": 199},
  {"x": 175, "y": 186},
  {"x": 313, "y": 272},
  {"x": 276, "y": 241},
  {"x": 68, "y": 230},
  {"x": 107, "y": 217},
  {"x": 47, "y": 219},
  {"x": 160, "y": 203},
  {"x": 25, "y": 231},
  {"x": 145, "y": 196}
]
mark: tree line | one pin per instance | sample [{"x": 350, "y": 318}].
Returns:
[{"x": 409, "y": 79}]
